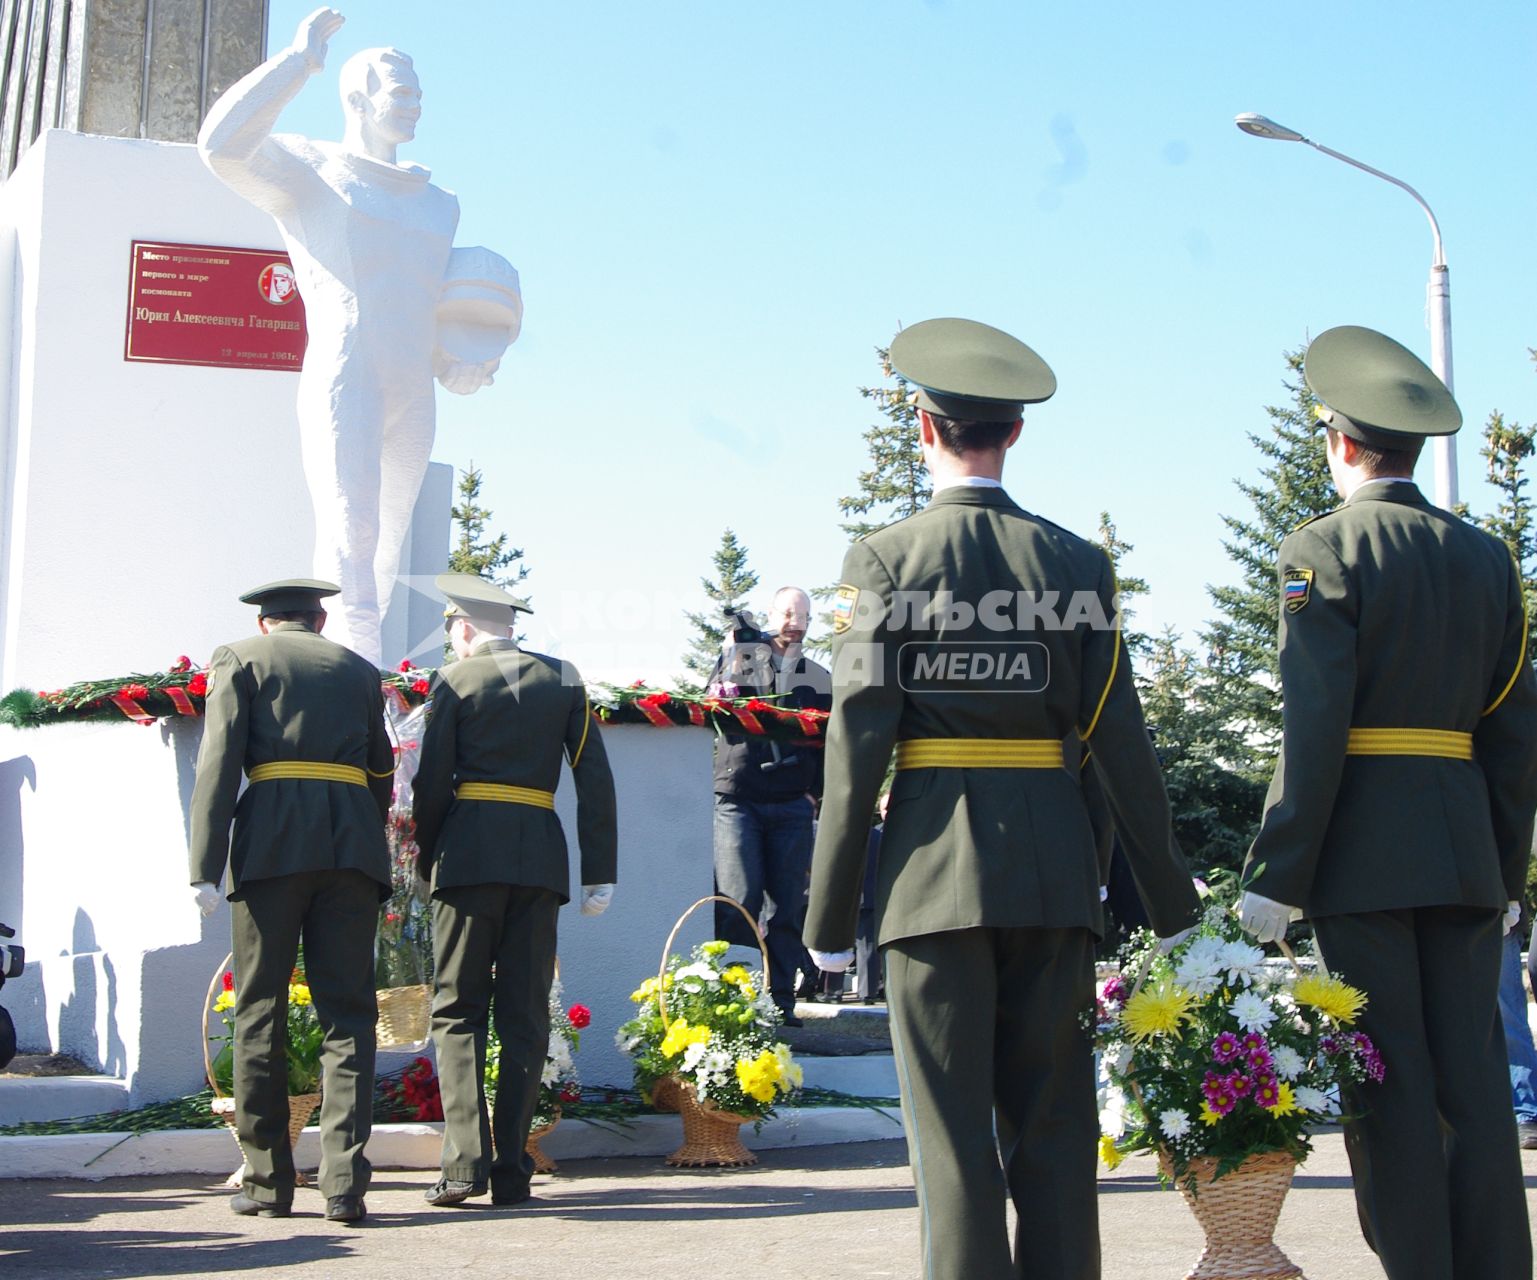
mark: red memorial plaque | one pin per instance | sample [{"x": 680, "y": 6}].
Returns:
[{"x": 212, "y": 305}]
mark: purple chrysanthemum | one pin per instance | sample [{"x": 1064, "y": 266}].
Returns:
[{"x": 1225, "y": 1047}]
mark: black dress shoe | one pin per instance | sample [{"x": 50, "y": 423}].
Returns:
[
  {"x": 452, "y": 1191},
  {"x": 790, "y": 1020},
  {"x": 248, "y": 1208},
  {"x": 510, "y": 1195},
  {"x": 346, "y": 1209}
]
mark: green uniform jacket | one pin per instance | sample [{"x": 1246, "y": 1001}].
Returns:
[
  {"x": 1408, "y": 618},
  {"x": 967, "y": 847},
  {"x": 291, "y": 695},
  {"x": 503, "y": 715}
]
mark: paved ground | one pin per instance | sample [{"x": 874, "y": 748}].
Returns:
[{"x": 819, "y": 1213}]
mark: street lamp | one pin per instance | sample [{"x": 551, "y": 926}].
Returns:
[{"x": 1438, "y": 292}]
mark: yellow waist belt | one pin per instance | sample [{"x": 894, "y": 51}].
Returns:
[
  {"x": 1447, "y": 743},
  {"x": 979, "y": 753},
  {"x": 309, "y": 769},
  {"x": 505, "y": 793}
]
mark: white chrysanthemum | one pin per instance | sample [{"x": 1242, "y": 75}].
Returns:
[
  {"x": 559, "y": 1050},
  {"x": 1199, "y": 970},
  {"x": 691, "y": 1056},
  {"x": 703, "y": 972},
  {"x": 1288, "y": 1063},
  {"x": 1112, "y": 1116},
  {"x": 1253, "y": 1012},
  {"x": 625, "y": 1043},
  {"x": 1119, "y": 1058},
  {"x": 1244, "y": 964},
  {"x": 717, "y": 1063},
  {"x": 550, "y": 1074},
  {"x": 1174, "y": 1123},
  {"x": 1311, "y": 1099}
]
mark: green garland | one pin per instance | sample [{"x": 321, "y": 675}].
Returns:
[{"x": 146, "y": 698}]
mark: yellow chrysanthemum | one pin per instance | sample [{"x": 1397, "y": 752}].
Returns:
[
  {"x": 225, "y": 1001},
  {"x": 680, "y": 1035},
  {"x": 759, "y": 1076},
  {"x": 1334, "y": 999},
  {"x": 645, "y": 991},
  {"x": 1208, "y": 1116},
  {"x": 736, "y": 975},
  {"x": 715, "y": 948},
  {"x": 1108, "y": 1152},
  {"x": 299, "y": 993},
  {"x": 1286, "y": 1104},
  {"x": 1158, "y": 1011}
]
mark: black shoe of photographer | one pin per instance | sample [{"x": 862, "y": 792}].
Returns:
[
  {"x": 248, "y": 1208},
  {"x": 450, "y": 1191},
  {"x": 346, "y": 1209},
  {"x": 509, "y": 1193}
]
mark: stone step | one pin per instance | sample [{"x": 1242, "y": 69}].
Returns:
[
  {"x": 867, "y": 1075},
  {"x": 839, "y": 1030},
  {"x": 25, "y": 1098}
]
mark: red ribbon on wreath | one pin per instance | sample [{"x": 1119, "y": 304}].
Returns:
[
  {"x": 811, "y": 722},
  {"x": 651, "y": 705},
  {"x": 695, "y": 714},
  {"x": 180, "y": 700},
  {"x": 130, "y": 708}
]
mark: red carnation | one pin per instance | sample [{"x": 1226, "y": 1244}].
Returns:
[
  {"x": 133, "y": 691},
  {"x": 580, "y": 1016},
  {"x": 570, "y": 1094},
  {"x": 198, "y": 685},
  {"x": 229, "y": 980},
  {"x": 419, "y": 686},
  {"x": 182, "y": 663},
  {"x": 757, "y": 704},
  {"x": 405, "y": 665}
]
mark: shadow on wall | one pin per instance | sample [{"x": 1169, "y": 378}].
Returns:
[
  {"x": 184, "y": 737},
  {"x": 91, "y": 1036}
]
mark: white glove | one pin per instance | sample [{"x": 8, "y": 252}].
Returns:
[
  {"x": 595, "y": 898},
  {"x": 1512, "y": 916},
  {"x": 1167, "y": 945},
  {"x": 1264, "y": 918},
  {"x": 832, "y": 961},
  {"x": 207, "y": 897}
]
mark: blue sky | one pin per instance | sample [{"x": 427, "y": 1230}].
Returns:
[{"x": 719, "y": 211}]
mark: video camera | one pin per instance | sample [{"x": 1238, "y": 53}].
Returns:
[
  {"x": 13, "y": 960},
  {"x": 749, "y": 661}
]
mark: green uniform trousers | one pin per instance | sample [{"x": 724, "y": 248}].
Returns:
[
  {"x": 495, "y": 950},
  {"x": 997, "y": 1077},
  {"x": 335, "y": 913},
  {"x": 1433, "y": 1147}
]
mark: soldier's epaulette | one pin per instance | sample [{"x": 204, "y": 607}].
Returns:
[{"x": 1319, "y": 516}]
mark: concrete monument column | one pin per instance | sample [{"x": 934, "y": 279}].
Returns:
[{"x": 123, "y": 68}]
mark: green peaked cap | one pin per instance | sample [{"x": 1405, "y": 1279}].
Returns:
[
  {"x": 1376, "y": 391},
  {"x": 966, "y": 369},
  {"x": 472, "y": 597},
  {"x": 292, "y": 595}
]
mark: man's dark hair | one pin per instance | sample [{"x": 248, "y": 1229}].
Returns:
[
  {"x": 311, "y": 618},
  {"x": 1377, "y": 460},
  {"x": 963, "y": 435}
]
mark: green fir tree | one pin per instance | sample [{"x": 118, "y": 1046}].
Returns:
[
  {"x": 1294, "y": 486},
  {"x": 897, "y": 484},
  {"x": 488, "y": 558},
  {"x": 1138, "y": 644},
  {"x": 727, "y": 592}
]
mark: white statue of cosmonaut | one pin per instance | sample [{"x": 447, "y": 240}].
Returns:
[{"x": 390, "y": 303}]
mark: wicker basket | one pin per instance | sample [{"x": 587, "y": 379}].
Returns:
[
  {"x": 1238, "y": 1213},
  {"x": 542, "y": 1162},
  {"x": 711, "y": 1137},
  {"x": 404, "y": 1014},
  {"x": 301, "y": 1106}
]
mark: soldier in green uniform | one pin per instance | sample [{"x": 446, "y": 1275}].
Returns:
[
  {"x": 499, "y": 722},
  {"x": 975, "y": 639},
  {"x": 304, "y": 719},
  {"x": 1399, "y": 820}
]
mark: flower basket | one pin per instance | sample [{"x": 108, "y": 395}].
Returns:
[
  {"x": 712, "y": 1138},
  {"x": 404, "y": 1014},
  {"x": 542, "y": 1162},
  {"x": 665, "y": 1094},
  {"x": 1238, "y": 1213},
  {"x": 301, "y": 1106}
]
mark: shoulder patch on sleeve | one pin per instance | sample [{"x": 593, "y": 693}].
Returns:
[
  {"x": 1296, "y": 589},
  {"x": 844, "y": 600}
]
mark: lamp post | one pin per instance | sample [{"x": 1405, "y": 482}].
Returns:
[{"x": 1438, "y": 292}]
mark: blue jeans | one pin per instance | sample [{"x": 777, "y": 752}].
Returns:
[
  {"x": 762, "y": 859},
  {"x": 1519, "y": 1050}
]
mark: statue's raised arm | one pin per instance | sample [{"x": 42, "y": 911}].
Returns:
[{"x": 236, "y": 138}]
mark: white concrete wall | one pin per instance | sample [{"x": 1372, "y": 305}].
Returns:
[{"x": 93, "y": 873}]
